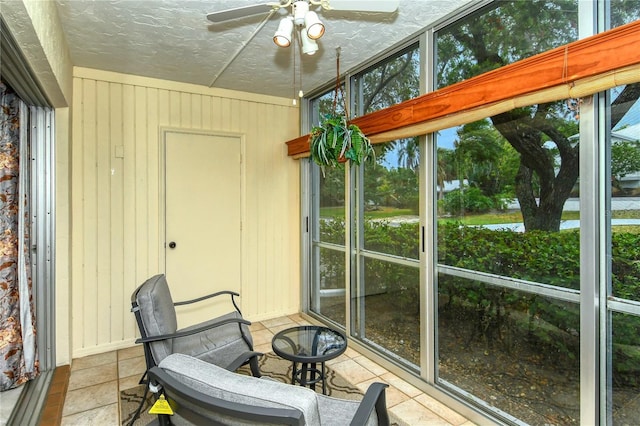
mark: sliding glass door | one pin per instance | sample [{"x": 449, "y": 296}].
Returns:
[{"x": 495, "y": 261}]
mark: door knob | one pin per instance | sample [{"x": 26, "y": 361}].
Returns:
[{"x": 172, "y": 245}]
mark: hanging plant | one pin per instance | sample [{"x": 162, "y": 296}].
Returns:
[{"x": 336, "y": 140}]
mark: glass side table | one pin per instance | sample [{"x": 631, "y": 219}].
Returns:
[{"x": 309, "y": 345}]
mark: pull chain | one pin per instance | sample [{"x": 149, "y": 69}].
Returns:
[{"x": 300, "y": 93}]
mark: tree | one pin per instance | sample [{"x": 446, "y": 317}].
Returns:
[
  {"x": 409, "y": 154},
  {"x": 445, "y": 170},
  {"x": 487, "y": 161},
  {"x": 625, "y": 160},
  {"x": 394, "y": 81},
  {"x": 404, "y": 182},
  {"x": 507, "y": 32}
]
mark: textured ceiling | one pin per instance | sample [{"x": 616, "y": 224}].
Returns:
[{"x": 173, "y": 40}]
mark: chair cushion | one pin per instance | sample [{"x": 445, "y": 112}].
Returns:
[
  {"x": 220, "y": 383},
  {"x": 158, "y": 314},
  {"x": 218, "y": 345},
  {"x": 338, "y": 412}
]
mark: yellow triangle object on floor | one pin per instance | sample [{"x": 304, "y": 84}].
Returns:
[{"x": 161, "y": 406}]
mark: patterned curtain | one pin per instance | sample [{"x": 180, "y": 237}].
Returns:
[{"x": 18, "y": 355}]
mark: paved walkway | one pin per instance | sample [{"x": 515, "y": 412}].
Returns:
[
  {"x": 565, "y": 224},
  {"x": 573, "y": 204}
]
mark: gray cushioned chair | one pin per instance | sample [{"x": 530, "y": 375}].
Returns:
[
  {"x": 204, "y": 394},
  {"x": 224, "y": 341}
]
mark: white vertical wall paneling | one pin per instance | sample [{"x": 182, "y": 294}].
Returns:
[
  {"x": 118, "y": 235},
  {"x": 263, "y": 220},
  {"x": 236, "y": 115},
  {"x": 156, "y": 235},
  {"x": 196, "y": 111},
  {"x": 115, "y": 146},
  {"x": 205, "y": 106},
  {"x": 89, "y": 212},
  {"x": 142, "y": 213},
  {"x": 280, "y": 181},
  {"x": 255, "y": 290},
  {"x": 174, "y": 109},
  {"x": 103, "y": 212},
  {"x": 225, "y": 115},
  {"x": 164, "y": 106},
  {"x": 164, "y": 116},
  {"x": 216, "y": 113},
  {"x": 185, "y": 111},
  {"x": 270, "y": 221},
  {"x": 266, "y": 220},
  {"x": 76, "y": 172},
  {"x": 130, "y": 277}
]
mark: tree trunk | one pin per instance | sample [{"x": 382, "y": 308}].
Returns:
[{"x": 525, "y": 132}]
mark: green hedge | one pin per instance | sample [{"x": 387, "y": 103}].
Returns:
[{"x": 542, "y": 257}]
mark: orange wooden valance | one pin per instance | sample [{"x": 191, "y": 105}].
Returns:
[{"x": 596, "y": 63}]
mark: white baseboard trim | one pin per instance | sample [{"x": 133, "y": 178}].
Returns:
[
  {"x": 100, "y": 349},
  {"x": 271, "y": 315}
]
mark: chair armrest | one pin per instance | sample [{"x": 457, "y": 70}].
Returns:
[
  {"x": 208, "y": 296},
  {"x": 178, "y": 390},
  {"x": 192, "y": 331},
  {"x": 243, "y": 359},
  {"x": 374, "y": 398},
  {"x": 233, "y": 295}
]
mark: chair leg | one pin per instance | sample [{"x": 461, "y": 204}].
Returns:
[
  {"x": 161, "y": 420},
  {"x": 139, "y": 410},
  {"x": 164, "y": 420},
  {"x": 255, "y": 369}
]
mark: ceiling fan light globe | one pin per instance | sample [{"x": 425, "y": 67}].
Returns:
[
  {"x": 281, "y": 41},
  {"x": 283, "y": 34},
  {"x": 313, "y": 25},
  {"x": 309, "y": 46}
]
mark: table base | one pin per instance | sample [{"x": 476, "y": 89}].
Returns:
[{"x": 308, "y": 375}]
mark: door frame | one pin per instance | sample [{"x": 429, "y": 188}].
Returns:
[{"x": 162, "y": 193}]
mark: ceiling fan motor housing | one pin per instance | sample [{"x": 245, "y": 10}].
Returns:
[{"x": 300, "y": 9}]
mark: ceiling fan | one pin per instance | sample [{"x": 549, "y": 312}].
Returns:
[{"x": 302, "y": 17}]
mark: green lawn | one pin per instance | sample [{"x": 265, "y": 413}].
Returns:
[
  {"x": 382, "y": 212},
  {"x": 478, "y": 219}
]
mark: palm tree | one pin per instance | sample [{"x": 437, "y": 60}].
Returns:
[{"x": 409, "y": 154}]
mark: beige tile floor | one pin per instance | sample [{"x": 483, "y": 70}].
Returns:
[{"x": 96, "y": 381}]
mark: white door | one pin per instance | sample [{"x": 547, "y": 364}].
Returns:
[{"x": 203, "y": 219}]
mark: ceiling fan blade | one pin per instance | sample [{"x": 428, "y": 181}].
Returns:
[
  {"x": 365, "y": 6},
  {"x": 239, "y": 12}
]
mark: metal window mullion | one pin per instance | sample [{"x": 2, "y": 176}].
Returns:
[
  {"x": 400, "y": 260},
  {"x": 43, "y": 222},
  {"x": 428, "y": 221},
  {"x": 359, "y": 277},
  {"x": 591, "y": 196},
  {"x": 330, "y": 246},
  {"x": 352, "y": 292},
  {"x": 353, "y": 192},
  {"x": 625, "y": 306},
  {"x": 307, "y": 235},
  {"x": 545, "y": 290},
  {"x": 307, "y": 217},
  {"x": 49, "y": 218},
  {"x": 591, "y": 244},
  {"x": 602, "y": 22}
]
